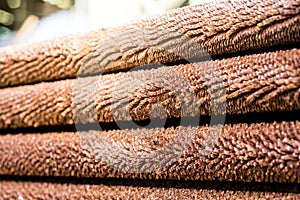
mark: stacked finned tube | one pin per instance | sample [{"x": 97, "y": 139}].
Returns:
[{"x": 103, "y": 113}]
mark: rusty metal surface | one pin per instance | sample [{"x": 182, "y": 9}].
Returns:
[{"x": 215, "y": 28}]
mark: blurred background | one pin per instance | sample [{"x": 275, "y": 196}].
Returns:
[{"x": 36, "y": 20}]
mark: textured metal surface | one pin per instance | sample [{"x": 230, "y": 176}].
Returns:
[
  {"x": 255, "y": 151},
  {"x": 252, "y": 84},
  {"x": 261, "y": 152},
  {"x": 218, "y": 27}
]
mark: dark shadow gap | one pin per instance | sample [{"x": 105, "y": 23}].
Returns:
[
  {"x": 205, "y": 58},
  {"x": 181, "y": 61},
  {"x": 258, "y": 51},
  {"x": 188, "y": 184},
  {"x": 249, "y": 118}
]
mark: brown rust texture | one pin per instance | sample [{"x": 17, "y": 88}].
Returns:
[
  {"x": 41, "y": 190},
  {"x": 213, "y": 28},
  {"x": 249, "y": 84},
  {"x": 260, "y": 152}
]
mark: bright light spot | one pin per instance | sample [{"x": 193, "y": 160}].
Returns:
[
  {"x": 13, "y": 4},
  {"x": 6, "y": 18},
  {"x": 64, "y": 4},
  {"x": 20, "y": 197},
  {"x": 196, "y": 2}
]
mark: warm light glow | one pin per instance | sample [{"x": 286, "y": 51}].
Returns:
[{"x": 13, "y": 4}]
